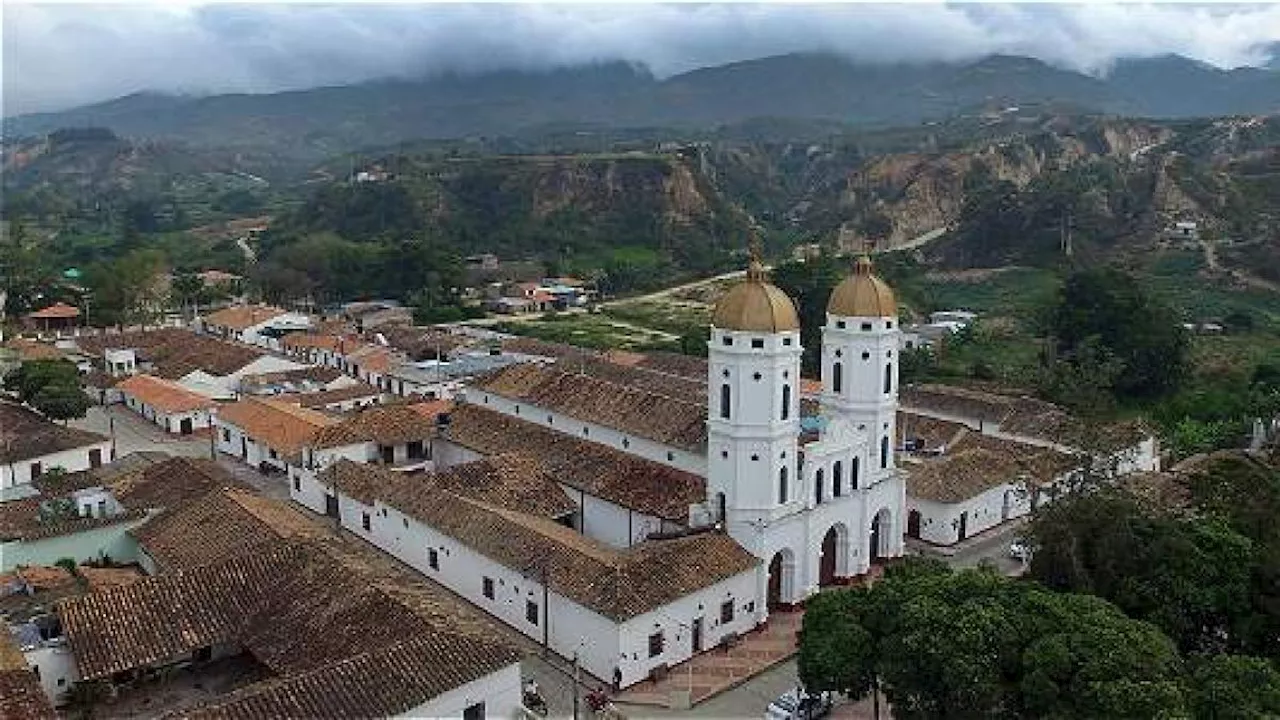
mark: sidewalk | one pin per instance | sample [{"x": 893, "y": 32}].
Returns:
[
  {"x": 715, "y": 671},
  {"x": 970, "y": 544}
]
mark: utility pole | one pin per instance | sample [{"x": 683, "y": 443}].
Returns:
[
  {"x": 575, "y": 685},
  {"x": 546, "y": 618}
]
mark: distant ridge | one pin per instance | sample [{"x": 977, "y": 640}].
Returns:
[{"x": 786, "y": 87}]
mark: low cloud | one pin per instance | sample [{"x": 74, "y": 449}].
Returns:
[{"x": 56, "y": 56}]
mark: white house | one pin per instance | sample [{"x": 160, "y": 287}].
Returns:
[
  {"x": 267, "y": 433},
  {"x": 31, "y": 445},
  {"x": 624, "y": 613},
  {"x": 167, "y": 404},
  {"x": 261, "y": 325}
]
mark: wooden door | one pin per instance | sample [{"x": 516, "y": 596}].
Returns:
[{"x": 827, "y": 563}]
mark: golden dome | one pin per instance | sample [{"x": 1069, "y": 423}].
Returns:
[
  {"x": 862, "y": 294},
  {"x": 755, "y": 305}
]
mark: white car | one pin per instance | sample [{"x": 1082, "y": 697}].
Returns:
[
  {"x": 1020, "y": 549},
  {"x": 799, "y": 705}
]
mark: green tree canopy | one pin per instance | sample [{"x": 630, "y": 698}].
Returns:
[
  {"x": 1189, "y": 576},
  {"x": 1107, "y": 311},
  {"x": 50, "y": 386},
  {"x": 976, "y": 644}
]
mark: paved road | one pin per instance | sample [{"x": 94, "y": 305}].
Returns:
[{"x": 134, "y": 434}]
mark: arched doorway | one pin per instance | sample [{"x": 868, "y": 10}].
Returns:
[
  {"x": 913, "y": 524},
  {"x": 881, "y": 529},
  {"x": 781, "y": 571},
  {"x": 833, "y": 562}
]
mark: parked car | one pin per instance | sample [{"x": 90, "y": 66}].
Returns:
[
  {"x": 1020, "y": 549},
  {"x": 799, "y": 705}
]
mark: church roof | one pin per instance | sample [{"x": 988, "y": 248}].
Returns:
[
  {"x": 862, "y": 294},
  {"x": 755, "y": 305}
]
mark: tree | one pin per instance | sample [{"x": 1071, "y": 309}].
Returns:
[
  {"x": 1234, "y": 687},
  {"x": 51, "y": 387},
  {"x": 1107, "y": 310},
  {"x": 977, "y": 644},
  {"x": 1189, "y": 576},
  {"x": 187, "y": 289}
]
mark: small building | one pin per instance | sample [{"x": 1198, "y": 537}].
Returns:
[
  {"x": 1185, "y": 230},
  {"x": 261, "y": 325},
  {"x": 32, "y": 445},
  {"x": 167, "y": 404},
  {"x": 960, "y": 318},
  {"x": 267, "y": 433},
  {"x": 57, "y": 318}
]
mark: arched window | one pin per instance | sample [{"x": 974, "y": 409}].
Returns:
[
  {"x": 884, "y": 452},
  {"x": 837, "y": 478},
  {"x": 817, "y": 487},
  {"x": 724, "y": 401},
  {"x": 782, "y": 485},
  {"x": 888, "y": 378},
  {"x": 837, "y": 377},
  {"x": 853, "y": 473},
  {"x": 786, "y": 401}
]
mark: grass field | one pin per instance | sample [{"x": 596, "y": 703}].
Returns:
[{"x": 590, "y": 331}]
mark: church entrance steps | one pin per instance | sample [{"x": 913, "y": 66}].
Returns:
[{"x": 716, "y": 671}]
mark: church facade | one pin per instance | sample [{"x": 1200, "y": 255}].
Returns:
[{"x": 820, "y": 512}]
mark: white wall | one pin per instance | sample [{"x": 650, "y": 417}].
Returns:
[
  {"x": 940, "y": 522},
  {"x": 572, "y": 628},
  {"x": 675, "y": 622},
  {"x": 110, "y": 540},
  {"x": 58, "y": 672},
  {"x": 500, "y": 692},
  {"x": 228, "y": 437},
  {"x": 691, "y": 462},
  {"x": 170, "y": 422},
  {"x": 598, "y": 519},
  {"x": 73, "y": 460}
]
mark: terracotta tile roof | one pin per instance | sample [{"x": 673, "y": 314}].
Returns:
[
  {"x": 663, "y": 419},
  {"x": 163, "y": 395},
  {"x": 1021, "y": 415},
  {"x": 315, "y": 373},
  {"x": 23, "y": 520},
  {"x": 171, "y": 484},
  {"x": 109, "y": 577},
  {"x": 25, "y": 434},
  {"x": 641, "y": 485},
  {"x": 936, "y": 434},
  {"x": 432, "y": 409},
  {"x": 382, "y": 424},
  {"x": 687, "y": 366},
  {"x": 420, "y": 343},
  {"x": 317, "y": 341},
  {"x": 618, "y": 584},
  {"x": 515, "y": 482},
  {"x": 300, "y": 610},
  {"x": 324, "y": 398},
  {"x": 56, "y": 311},
  {"x": 382, "y": 683},
  {"x": 174, "y": 352},
  {"x": 223, "y": 524},
  {"x": 692, "y": 390},
  {"x": 21, "y": 697},
  {"x": 543, "y": 348},
  {"x": 32, "y": 350},
  {"x": 240, "y": 317},
  {"x": 978, "y": 462},
  {"x": 371, "y": 358},
  {"x": 283, "y": 426}
]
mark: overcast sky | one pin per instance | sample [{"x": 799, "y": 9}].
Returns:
[{"x": 56, "y": 56}]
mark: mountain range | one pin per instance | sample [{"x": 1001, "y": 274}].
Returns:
[{"x": 827, "y": 88}]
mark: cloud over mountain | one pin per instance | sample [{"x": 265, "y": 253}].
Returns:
[{"x": 56, "y": 56}]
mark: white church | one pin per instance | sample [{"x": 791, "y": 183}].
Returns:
[
  {"x": 620, "y": 518},
  {"x": 828, "y": 512}
]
